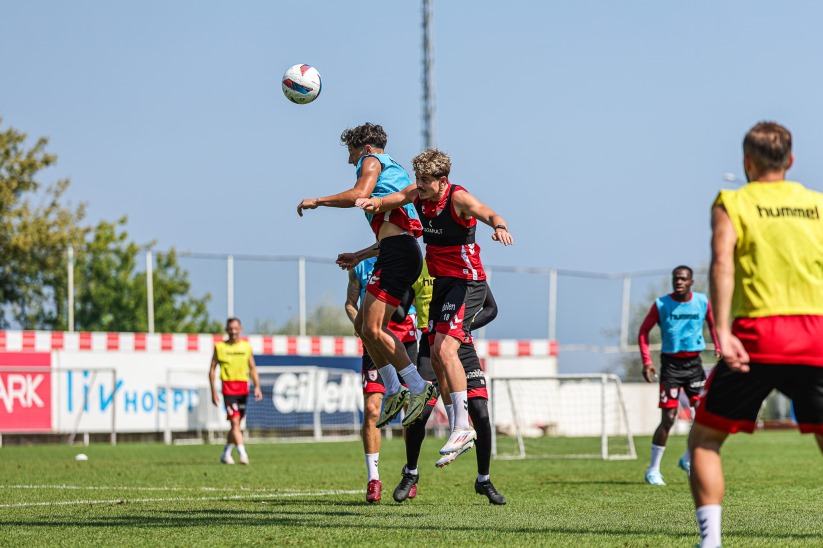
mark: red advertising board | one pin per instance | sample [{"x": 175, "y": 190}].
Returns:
[{"x": 25, "y": 392}]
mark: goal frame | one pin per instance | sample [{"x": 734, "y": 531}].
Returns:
[{"x": 498, "y": 383}]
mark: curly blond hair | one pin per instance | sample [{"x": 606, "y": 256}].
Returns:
[{"x": 432, "y": 162}]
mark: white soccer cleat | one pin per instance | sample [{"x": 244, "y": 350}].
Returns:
[
  {"x": 458, "y": 440},
  {"x": 226, "y": 459},
  {"x": 449, "y": 458},
  {"x": 244, "y": 459}
]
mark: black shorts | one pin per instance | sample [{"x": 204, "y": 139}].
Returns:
[
  {"x": 235, "y": 405},
  {"x": 454, "y": 303},
  {"x": 398, "y": 266},
  {"x": 677, "y": 373},
  {"x": 372, "y": 382},
  {"x": 475, "y": 379},
  {"x": 731, "y": 400}
]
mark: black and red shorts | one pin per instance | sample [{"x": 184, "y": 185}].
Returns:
[
  {"x": 372, "y": 382},
  {"x": 680, "y": 373},
  {"x": 454, "y": 303},
  {"x": 398, "y": 266},
  {"x": 731, "y": 400},
  {"x": 235, "y": 405}
]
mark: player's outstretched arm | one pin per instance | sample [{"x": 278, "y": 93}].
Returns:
[
  {"x": 468, "y": 206},
  {"x": 388, "y": 202},
  {"x": 258, "y": 392},
  {"x": 347, "y": 261},
  {"x": 215, "y": 399},
  {"x": 369, "y": 172},
  {"x": 352, "y": 296}
]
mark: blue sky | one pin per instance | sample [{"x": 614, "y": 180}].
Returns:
[{"x": 600, "y": 130}]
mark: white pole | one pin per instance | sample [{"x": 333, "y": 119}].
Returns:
[
  {"x": 552, "y": 304},
  {"x": 150, "y": 291},
  {"x": 71, "y": 287},
  {"x": 230, "y": 286},
  {"x": 624, "y": 320},
  {"x": 301, "y": 292}
]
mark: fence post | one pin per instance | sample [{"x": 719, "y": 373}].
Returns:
[
  {"x": 301, "y": 292},
  {"x": 553, "y": 304},
  {"x": 230, "y": 286},
  {"x": 624, "y": 316},
  {"x": 71, "y": 287},
  {"x": 150, "y": 291}
]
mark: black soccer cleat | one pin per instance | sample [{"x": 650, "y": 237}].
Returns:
[
  {"x": 405, "y": 487},
  {"x": 486, "y": 488}
]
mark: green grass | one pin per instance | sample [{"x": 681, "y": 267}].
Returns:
[{"x": 313, "y": 494}]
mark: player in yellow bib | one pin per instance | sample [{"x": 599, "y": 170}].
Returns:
[
  {"x": 766, "y": 275},
  {"x": 235, "y": 360}
]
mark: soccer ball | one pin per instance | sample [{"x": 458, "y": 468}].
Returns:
[{"x": 301, "y": 84}]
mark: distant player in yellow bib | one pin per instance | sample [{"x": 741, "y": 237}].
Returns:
[{"x": 236, "y": 362}]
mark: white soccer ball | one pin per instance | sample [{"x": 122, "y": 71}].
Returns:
[
  {"x": 81, "y": 456},
  {"x": 301, "y": 84}
]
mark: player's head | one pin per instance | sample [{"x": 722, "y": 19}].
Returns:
[
  {"x": 767, "y": 148},
  {"x": 431, "y": 171},
  {"x": 682, "y": 280},
  {"x": 364, "y": 139},
  {"x": 233, "y": 329}
]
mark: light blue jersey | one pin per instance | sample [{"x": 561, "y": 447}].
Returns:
[
  {"x": 392, "y": 178},
  {"x": 681, "y": 323}
]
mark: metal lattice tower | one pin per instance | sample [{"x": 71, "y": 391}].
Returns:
[{"x": 429, "y": 138}]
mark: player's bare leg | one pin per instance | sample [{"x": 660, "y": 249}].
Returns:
[
  {"x": 371, "y": 444},
  {"x": 463, "y": 435},
  {"x": 376, "y": 318},
  {"x": 706, "y": 480},
  {"x": 659, "y": 440}
]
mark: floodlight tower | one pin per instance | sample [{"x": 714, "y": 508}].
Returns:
[{"x": 429, "y": 140}]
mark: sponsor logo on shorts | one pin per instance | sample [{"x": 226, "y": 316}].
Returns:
[
  {"x": 373, "y": 375},
  {"x": 476, "y": 374},
  {"x": 449, "y": 306},
  {"x": 698, "y": 384},
  {"x": 674, "y": 393}
]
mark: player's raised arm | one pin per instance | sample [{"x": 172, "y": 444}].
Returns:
[
  {"x": 363, "y": 188},
  {"x": 467, "y": 206},
  {"x": 388, "y": 202},
  {"x": 347, "y": 261}
]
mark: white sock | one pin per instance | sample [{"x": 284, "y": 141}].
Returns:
[
  {"x": 657, "y": 456},
  {"x": 412, "y": 472},
  {"x": 228, "y": 449},
  {"x": 389, "y": 375},
  {"x": 708, "y": 519},
  {"x": 413, "y": 379},
  {"x": 371, "y": 466},
  {"x": 460, "y": 408},
  {"x": 450, "y": 415},
  {"x": 687, "y": 457},
  {"x": 483, "y": 479},
  {"x": 241, "y": 449}
]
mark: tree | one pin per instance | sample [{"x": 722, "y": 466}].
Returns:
[
  {"x": 111, "y": 291},
  {"x": 112, "y": 294},
  {"x": 33, "y": 238}
]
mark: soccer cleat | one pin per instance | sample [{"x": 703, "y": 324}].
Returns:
[
  {"x": 373, "y": 491},
  {"x": 449, "y": 458},
  {"x": 226, "y": 459},
  {"x": 486, "y": 488},
  {"x": 654, "y": 477},
  {"x": 244, "y": 459},
  {"x": 392, "y": 405},
  {"x": 685, "y": 465},
  {"x": 458, "y": 440},
  {"x": 408, "y": 483},
  {"x": 417, "y": 403}
]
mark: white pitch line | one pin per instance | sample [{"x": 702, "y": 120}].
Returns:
[{"x": 184, "y": 499}]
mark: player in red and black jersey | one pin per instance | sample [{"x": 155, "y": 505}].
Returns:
[{"x": 449, "y": 214}]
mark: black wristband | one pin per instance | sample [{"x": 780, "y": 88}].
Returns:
[{"x": 501, "y": 226}]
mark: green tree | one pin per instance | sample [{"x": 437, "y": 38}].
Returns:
[
  {"x": 36, "y": 230},
  {"x": 33, "y": 236}
]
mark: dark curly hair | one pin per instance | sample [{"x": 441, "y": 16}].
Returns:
[{"x": 365, "y": 134}]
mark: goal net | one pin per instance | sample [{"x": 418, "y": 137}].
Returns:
[{"x": 560, "y": 416}]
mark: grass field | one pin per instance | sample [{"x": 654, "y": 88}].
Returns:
[{"x": 313, "y": 494}]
